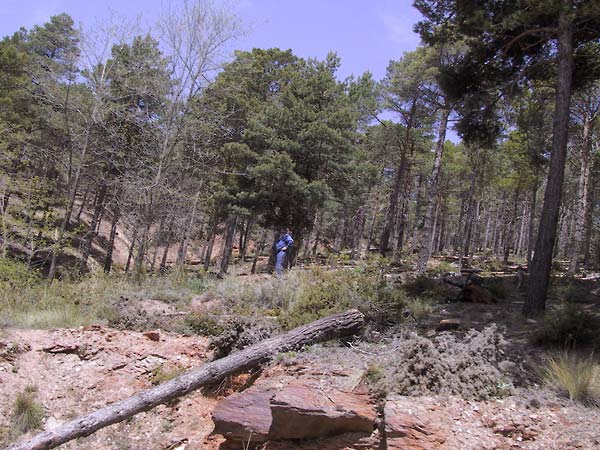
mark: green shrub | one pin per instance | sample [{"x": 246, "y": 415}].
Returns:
[
  {"x": 425, "y": 287},
  {"x": 497, "y": 288},
  {"x": 570, "y": 292},
  {"x": 493, "y": 265},
  {"x": 162, "y": 374},
  {"x": 239, "y": 332},
  {"x": 568, "y": 326},
  {"x": 27, "y": 413},
  {"x": 15, "y": 274},
  {"x": 204, "y": 325},
  {"x": 443, "y": 267},
  {"x": 573, "y": 375},
  {"x": 419, "y": 308}
]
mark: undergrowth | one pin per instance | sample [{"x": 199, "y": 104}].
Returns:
[
  {"x": 473, "y": 366},
  {"x": 569, "y": 325},
  {"x": 30, "y": 302},
  {"x": 28, "y": 414},
  {"x": 574, "y": 375}
]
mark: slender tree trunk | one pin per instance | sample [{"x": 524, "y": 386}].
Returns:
[
  {"x": 131, "y": 248},
  {"x": 318, "y": 234},
  {"x": 141, "y": 254},
  {"x": 259, "y": 249},
  {"x": 210, "y": 243},
  {"x": 73, "y": 188},
  {"x": 159, "y": 236},
  {"x": 228, "y": 244},
  {"x": 244, "y": 237},
  {"x": 162, "y": 268},
  {"x": 541, "y": 263},
  {"x": 92, "y": 233},
  {"x": 578, "y": 249},
  {"x": 390, "y": 216},
  {"x": 182, "y": 252},
  {"x": 5, "y": 200},
  {"x": 83, "y": 202},
  {"x": 425, "y": 231},
  {"x": 530, "y": 239},
  {"x": 111, "y": 240},
  {"x": 510, "y": 228}
]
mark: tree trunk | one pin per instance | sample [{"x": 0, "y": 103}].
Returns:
[
  {"x": 244, "y": 238},
  {"x": 5, "y": 200},
  {"x": 91, "y": 233},
  {"x": 425, "y": 232},
  {"x": 390, "y": 216},
  {"x": 131, "y": 247},
  {"x": 510, "y": 228},
  {"x": 541, "y": 263},
  {"x": 228, "y": 244},
  {"x": 210, "y": 244},
  {"x": 162, "y": 268},
  {"x": 530, "y": 239},
  {"x": 339, "y": 325},
  {"x": 111, "y": 241},
  {"x": 83, "y": 202},
  {"x": 259, "y": 249},
  {"x": 578, "y": 250},
  {"x": 141, "y": 254}
]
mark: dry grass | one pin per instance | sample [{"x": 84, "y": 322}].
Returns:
[
  {"x": 27, "y": 413},
  {"x": 574, "y": 375}
]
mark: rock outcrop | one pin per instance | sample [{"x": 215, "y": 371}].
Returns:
[{"x": 299, "y": 410}]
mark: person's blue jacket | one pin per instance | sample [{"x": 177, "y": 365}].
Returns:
[{"x": 284, "y": 241}]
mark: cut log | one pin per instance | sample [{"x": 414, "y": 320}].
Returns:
[{"x": 343, "y": 324}]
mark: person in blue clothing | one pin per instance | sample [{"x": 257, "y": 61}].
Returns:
[{"x": 282, "y": 246}]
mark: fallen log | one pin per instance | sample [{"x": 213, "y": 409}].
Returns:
[{"x": 338, "y": 325}]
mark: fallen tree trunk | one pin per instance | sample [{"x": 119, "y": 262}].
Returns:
[{"x": 339, "y": 325}]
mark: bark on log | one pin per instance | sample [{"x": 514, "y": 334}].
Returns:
[{"x": 338, "y": 325}]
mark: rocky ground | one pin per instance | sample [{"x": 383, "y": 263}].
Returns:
[{"x": 320, "y": 404}]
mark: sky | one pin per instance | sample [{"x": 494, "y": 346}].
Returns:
[{"x": 366, "y": 34}]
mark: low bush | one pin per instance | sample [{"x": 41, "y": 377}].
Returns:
[
  {"x": 162, "y": 374},
  {"x": 239, "y": 332},
  {"x": 204, "y": 325},
  {"x": 328, "y": 292},
  {"x": 570, "y": 292},
  {"x": 426, "y": 287},
  {"x": 498, "y": 288},
  {"x": 573, "y": 375},
  {"x": 568, "y": 326},
  {"x": 15, "y": 274},
  {"x": 473, "y": 366},
  {"x": 493, "y": 265}
]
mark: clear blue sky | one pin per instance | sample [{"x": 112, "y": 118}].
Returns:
[{"x": 366, "y": 34}]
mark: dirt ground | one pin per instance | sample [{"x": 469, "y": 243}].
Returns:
[{"x": 78, "y": 371}]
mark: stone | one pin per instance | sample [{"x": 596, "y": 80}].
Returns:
[
  {"x": 303, "y": 412},
  {"x": 408, "y": 428},
  {"x": 297, "y": 410},
  {"x": 244, "y": 416},
  {"x": 448, "y": 325},
  {"x": 152, "y": 335}
]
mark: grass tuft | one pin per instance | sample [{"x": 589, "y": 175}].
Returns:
[
  {"x": 575, "y": 376},
  {"x": 27, "y": 413}
]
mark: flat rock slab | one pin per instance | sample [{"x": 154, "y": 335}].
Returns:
[
  {"x": 306, "y": 412},
  {"x": 410, "y": 427},
  {"x": 299, "y": 410},
  {"x": 244, "y": 416}
]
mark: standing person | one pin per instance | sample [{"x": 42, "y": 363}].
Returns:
[{"x": 282, "y": 246}]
